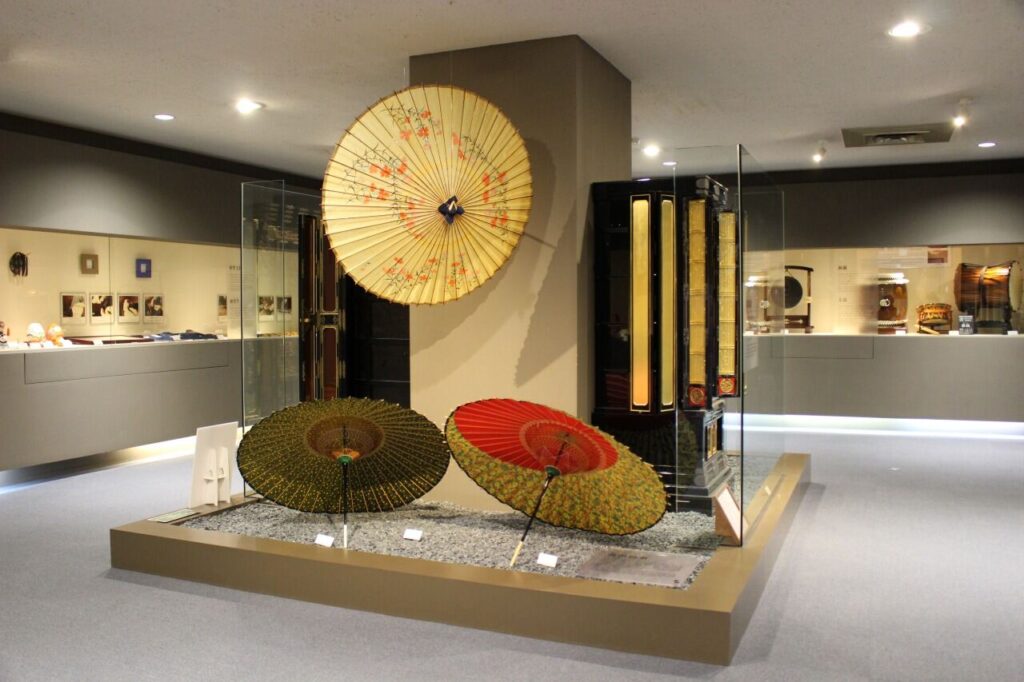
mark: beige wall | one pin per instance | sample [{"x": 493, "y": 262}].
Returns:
[{"x": 527, "y": 333}]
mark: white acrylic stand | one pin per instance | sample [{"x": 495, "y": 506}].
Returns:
[{"x": 211, "y": 468}]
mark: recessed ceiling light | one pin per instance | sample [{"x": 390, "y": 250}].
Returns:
[
  {"x": 247, "y": 106},
  {"x": 652, "y": 150},
  {"x": 819, "y": 155},
  {"x": 986, "y": 145},
  {"x": 908, "y": 29},
  {"x": 164, "y": 117},
  {"x": 959, "y": 120},
  {"x": 670, "y": 164},
  {"x": 643, "y": 179}
]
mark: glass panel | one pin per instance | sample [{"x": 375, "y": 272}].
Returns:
[
  {"x": 270, "y": 295},
  {"x": 762, "y": 273}
]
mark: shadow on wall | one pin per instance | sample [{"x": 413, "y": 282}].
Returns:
[{"x": 552, "y": 328}]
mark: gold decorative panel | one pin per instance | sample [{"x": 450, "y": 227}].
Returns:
[
  {"x": 640, "y": 302},
  {"x": 668, "y": 303},
  {"x": 727, "y": 294},
  {"x": 696, "y": 310}
]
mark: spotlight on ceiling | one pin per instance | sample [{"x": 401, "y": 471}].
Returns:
[
  {"x": 670, "y": 164},
  {"x": 986, "y": 145},
  {"x": 960, "y": 120},
  {"x": 908, "y": 29},
  {"x": 652, "y": 150},
  {"x": 164, "y": 117},
  {"x": 819, "y": 155},
  {"x": 247, "y": 106}
]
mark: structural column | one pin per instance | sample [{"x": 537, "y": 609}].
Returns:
[{"x": 528, "y": 332}]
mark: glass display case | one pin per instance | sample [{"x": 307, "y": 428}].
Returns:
[
  {"x": 672, "y": 373},
  {"x": 68, "y": 288},
  {"x": 932, "y": 290},
  {"x": 271, "y": 317}
]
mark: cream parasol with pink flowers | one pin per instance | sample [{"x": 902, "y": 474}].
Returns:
[{"x": 427, "y": 194}]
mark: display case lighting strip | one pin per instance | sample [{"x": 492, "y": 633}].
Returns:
[{"x": 872, "y": 426}]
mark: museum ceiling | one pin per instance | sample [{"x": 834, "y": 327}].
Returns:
[{"x": 777, "y": 76}]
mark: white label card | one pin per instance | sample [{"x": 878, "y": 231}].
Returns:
[
  {"x": 1012, "y": 332},
  {"x": 324, "y": 540},
  {"x": 413, "y": 534},
  {"x": 901, "y": 332},
  {"x": 954, "y": 332},
  {"x": 549, "y": 560}
]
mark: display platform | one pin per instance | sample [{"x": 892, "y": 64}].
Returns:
[{"x": 702, "y": 623}]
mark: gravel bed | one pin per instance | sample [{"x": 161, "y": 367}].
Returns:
[{"x": 454, "y": 534}]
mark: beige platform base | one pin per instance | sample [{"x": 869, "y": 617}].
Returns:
[{"x": 704, "y": 623}]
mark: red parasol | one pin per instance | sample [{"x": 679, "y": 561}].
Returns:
[{"x": 518, "y": 450}]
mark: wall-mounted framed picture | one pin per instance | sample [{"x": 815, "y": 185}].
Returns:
[
  {"x": 128, "y": 311},
  {"x": 101, "y": 308},
  {"x": 74, "y": 308},
  {"x": 89, "y": 264},
  {"x": 153, "y": 308},
  {"x": 284, "y": 307},
  {"x": 222, "y": 307},
  {"x": 143, "y": 268},
  {"x": 267, "y": 308}
]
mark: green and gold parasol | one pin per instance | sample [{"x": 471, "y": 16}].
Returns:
[
  {"x": 303, "y": 456},
  {"x": 427, "y": 194},
  {"x": 548, "y": 464}
]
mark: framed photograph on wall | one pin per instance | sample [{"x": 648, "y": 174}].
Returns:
[
  {"x": 128, "y": 311},
  {"x": 89, "y": 264},
  {"x": 153, "y": 308},
  {"x": 284, "y": 307},
  {"x": 267, "y": 307},
  {"x": 101, "y": 308},
  {"x": 74, "y": 308},
  {"x": 222, "y": 307}
]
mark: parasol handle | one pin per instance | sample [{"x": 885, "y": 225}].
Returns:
[
  {"x": 552, "y": 472},
  {"x": 344, "y": 500}
]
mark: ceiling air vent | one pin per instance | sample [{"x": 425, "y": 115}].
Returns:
[{"x": 890, "y": 136}]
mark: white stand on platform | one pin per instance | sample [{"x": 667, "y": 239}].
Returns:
[{"x": 211, "y": 468}]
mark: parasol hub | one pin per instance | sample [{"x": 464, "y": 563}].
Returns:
[
  {"x": 340, "y": 435},
  {"x": 552, "y": 471},
  {"x": 450, "y": 209},
  {"x": 345, "y": 455}
]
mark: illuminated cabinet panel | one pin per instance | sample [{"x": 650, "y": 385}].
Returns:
[
  {"x": 668, "y": 303},
  {"x": 640, "y": 303},
  {"x": 727, "y": 304},
  {"x": 696, "y": 308}
]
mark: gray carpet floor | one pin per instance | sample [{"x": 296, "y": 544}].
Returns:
[{"x": 905, "y": 562}]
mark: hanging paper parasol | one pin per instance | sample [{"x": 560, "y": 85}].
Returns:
[
  {"x": 427, "y": 194},
  {"x": 545, "y": 463},
  {"x": 296, "y": 456}
]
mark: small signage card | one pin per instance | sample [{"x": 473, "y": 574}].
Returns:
[
  {"x": 324, "y": 540},
  {"x": 966, "y": 324},
  {"x": 549, "y": 560},
  {"x": 1012, "y": 332},
  {"x": 173, "y": 516},
  {"x": 413, "y": 534}
]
